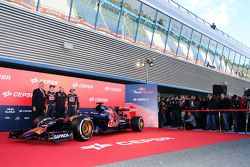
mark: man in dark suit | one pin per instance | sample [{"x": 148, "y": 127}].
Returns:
[
  {"x": 38, "y": 101},
  {"x": 61, "y": 99}
]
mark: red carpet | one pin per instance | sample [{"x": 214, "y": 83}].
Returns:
[{"x": 118, "y": 147}]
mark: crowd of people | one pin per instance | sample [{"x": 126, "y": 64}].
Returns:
[{"x": 171, "y": 112}]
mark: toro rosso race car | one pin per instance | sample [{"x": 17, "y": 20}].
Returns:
[{"x": 81, "y": 127}]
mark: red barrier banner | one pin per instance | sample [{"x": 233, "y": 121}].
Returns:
[{"x": 16, "y": 87}]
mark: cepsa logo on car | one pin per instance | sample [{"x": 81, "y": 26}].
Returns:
[
  {"x": 98, "y": 99},
  {"x": 45, "y": 81},
  {"x": 5, "y": 77},
  {"x": 111, "y": 89},
  {"x": 9, "y": 93}
]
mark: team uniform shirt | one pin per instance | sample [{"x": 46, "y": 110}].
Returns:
[
  {"x": 51, "y": 97},
  {"x": 73, "y": 100},
  {"x": 73, "y": 105}
]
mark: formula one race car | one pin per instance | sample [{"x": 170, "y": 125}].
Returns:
[{"x": 81, "y": 127}]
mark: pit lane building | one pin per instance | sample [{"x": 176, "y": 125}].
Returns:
[{"x": 104, "y": 39}]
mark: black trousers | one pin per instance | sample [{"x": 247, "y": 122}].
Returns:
[
  {"x": 235, "y": 118},
  {"x": 71, "y": 111},
  {"x": 51, "y": 111},
  {"x": 168, "y": 118},
  {"x": 176, "y": 118}
]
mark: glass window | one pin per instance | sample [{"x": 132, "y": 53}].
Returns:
[
  {"x": 236, "y": 63},
  {"x": 54, "y": 9},
  {"x": 211, "y": 52},
  {"x": 84, "y": 12},
  {"x": 108, "y": 16},
  {"x": 218, "y": 56},
  {"x": 225, "y": 59},
  {"x": 231, "y": 60},
  {"x": 241, "y": 66},
  {"x": 174, "y": 34},
  {"x": 161, "y": 31},
  {"x": 194, "y": 47},
  {"x": 146, "y": 25},
  {"x": 246, "y": 71},
  {"x": 129, "y": 20},
  {"x": 237, "y": 59},
  {"x": 184, "y": 42},
  {"x": 29, "y": 4},
  {"x": 203, "y": 49}
]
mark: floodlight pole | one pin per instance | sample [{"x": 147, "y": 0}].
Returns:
[
  {"x": 147, "y": 73},
  {"x": 147, "y": 63}
]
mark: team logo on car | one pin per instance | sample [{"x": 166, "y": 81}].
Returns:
[{"x": 60, "y": 136}]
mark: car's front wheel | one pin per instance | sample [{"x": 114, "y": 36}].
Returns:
[{"x": 82, "y": 128}]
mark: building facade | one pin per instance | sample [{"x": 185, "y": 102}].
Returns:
[{"x": 108, "y": 37}]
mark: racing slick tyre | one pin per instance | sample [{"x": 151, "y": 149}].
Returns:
[
  {"x": 37, "y": 121},
  {"x": 82, "y": 128},
  {"x": 137, "y": 124}
]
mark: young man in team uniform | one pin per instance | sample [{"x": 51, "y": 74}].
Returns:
[
  {"x": 50, "y": 101},
  {"x": 73, "y": 103}
]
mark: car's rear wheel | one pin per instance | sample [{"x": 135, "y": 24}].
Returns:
[
  {"x": 39, "y": 120},
  {"x": 82, "y": 128},
  {"x": 137, "y": 124}
]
